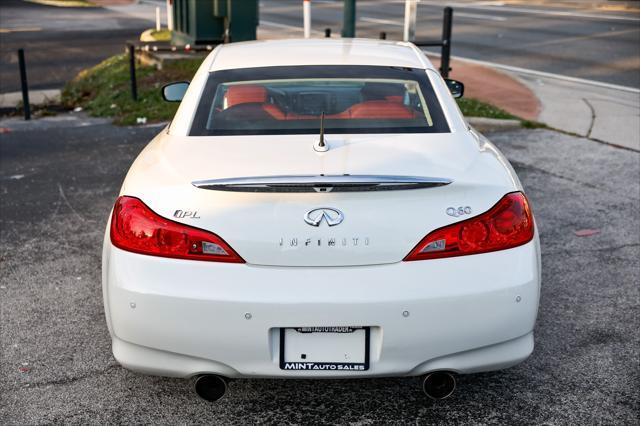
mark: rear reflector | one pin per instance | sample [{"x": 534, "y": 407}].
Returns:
[
  {"x": 136, "y": 228},
  {"x": 507, "y": 224}
]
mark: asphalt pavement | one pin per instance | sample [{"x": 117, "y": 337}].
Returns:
[
  {"x": 59, "y": 179},
  {"x": 59, "y": 42}
]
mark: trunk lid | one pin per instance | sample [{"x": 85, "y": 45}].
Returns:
[{"x": 278, "y": 229}]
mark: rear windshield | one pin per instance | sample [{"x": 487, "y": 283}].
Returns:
[{"x": 291, "y": 100}]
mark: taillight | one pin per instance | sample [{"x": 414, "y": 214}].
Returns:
[
  {"x": 135, "y": 227},
  {"x": 507, "y": 224}
]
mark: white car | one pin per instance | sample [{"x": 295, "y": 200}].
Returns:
[{"x": 320, "y": 209}]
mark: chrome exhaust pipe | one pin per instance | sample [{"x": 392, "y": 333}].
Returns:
[
  {"x": 438, "y": 385},
  {"x": 210, "y": 387}
]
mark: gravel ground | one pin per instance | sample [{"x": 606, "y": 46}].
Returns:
[{"x": 58, "y": 183}]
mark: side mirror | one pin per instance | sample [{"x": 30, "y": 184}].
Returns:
[
  {"x": 455, "y": 87},
  {"x": 174, "y": 92}
]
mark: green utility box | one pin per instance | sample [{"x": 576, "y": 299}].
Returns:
[{"x": 214, "y": 21}]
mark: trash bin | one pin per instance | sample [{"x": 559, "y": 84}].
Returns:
[{"x": 214, "y": 21}]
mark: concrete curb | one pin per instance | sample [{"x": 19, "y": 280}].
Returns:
[
  {"x": 36, "y": 97},
  {"x": 56, "y": 3},
  {"x": 80, "y": 119},
  {"x": 483, "y": 124}
]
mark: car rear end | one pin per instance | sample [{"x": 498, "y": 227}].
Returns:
[{"x": 245, "y": 252}]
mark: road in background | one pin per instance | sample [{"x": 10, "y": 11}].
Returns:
[
  {"x": 578, "y": 42},
  {"x": 59, "y": 41}
]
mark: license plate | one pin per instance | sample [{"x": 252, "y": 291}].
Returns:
[{"x": 324, "y": 348}]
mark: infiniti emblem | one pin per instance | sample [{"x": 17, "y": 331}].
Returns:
[{"x": 333, "y": 217}]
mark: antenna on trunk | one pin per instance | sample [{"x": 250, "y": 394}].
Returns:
[{"x": 321, "y": 145}]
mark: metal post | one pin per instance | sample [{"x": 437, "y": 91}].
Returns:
[
  {"x": 349, "y": 19},
  {"x": 446, "y": 42},
  {"x": 410, "y": 13},
  {"x": 169, "y": 15},
  {"x": 132, "y": 72},
  {"x": 25, "y": 86},
  {"x": 327, "y": 32},
  {"x": 227, "y": 24},
  {"x": 306, "y": 17}
]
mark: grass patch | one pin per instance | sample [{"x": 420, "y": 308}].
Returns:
[
  {"x": 152, "y": 35},
  {"x": 104, "y": 90},
  {"x": 476, "y": 108},
  {"x": 162, "y": 35},
  {"x": 528, "y": 124}
]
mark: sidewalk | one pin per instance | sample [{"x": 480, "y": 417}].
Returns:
[{"x": 598, "y": 111}]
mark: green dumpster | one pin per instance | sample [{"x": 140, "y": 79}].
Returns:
[{"x": 214, "y": 21}]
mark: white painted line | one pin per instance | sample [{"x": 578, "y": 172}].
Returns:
[
  {"x": 488, "y": 3},
  {"x": 542, "y": 73},
  {"x": 478, "y": 16},
  {"x": 460, "y": 14},
  {"x": 380, "y": 21},
  {"x": 278, "y": 25},
  {"x": 602, "y": 16},
  {"x": 499, "y": 7},
  {"x": 288, "y": 27}
]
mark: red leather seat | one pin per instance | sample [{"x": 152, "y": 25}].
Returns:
[
  {"x": 245, "y": 94},
  {"x": 380, "y": 110},
  {"x": 250, "y": 94},
  {"x": 392, "y": 108},
  {"x": 394, "y": 98},
  {"x": 389, "y": 109}
]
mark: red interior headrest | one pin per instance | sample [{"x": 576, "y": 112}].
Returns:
[
  {"x": 245, "y": 94},
  {"x": 380, "y": 110},
  {"x": 394, "y": 98}
]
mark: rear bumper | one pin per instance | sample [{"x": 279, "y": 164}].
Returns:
[
  {"x": 180, "y": 318},
  {"x": 162, "y": 363}
]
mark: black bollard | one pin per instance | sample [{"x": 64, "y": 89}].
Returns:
[
  {"x": 25, "y": 86},
  {"x": 132, "y": 72}
]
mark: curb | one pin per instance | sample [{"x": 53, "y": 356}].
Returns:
[
  {"x": 36, "y": 97},
  {"x": 18, "y": 124},
  {"x": 483, "y": 124},
  {"x": 55, "y": 3}
]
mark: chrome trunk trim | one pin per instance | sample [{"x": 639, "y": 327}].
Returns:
[{"x": 321, "y": 183}]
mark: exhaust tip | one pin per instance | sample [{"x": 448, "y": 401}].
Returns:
[
  {"x": 438, "y": 385},
  {"x": 210, "y": 387}
]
